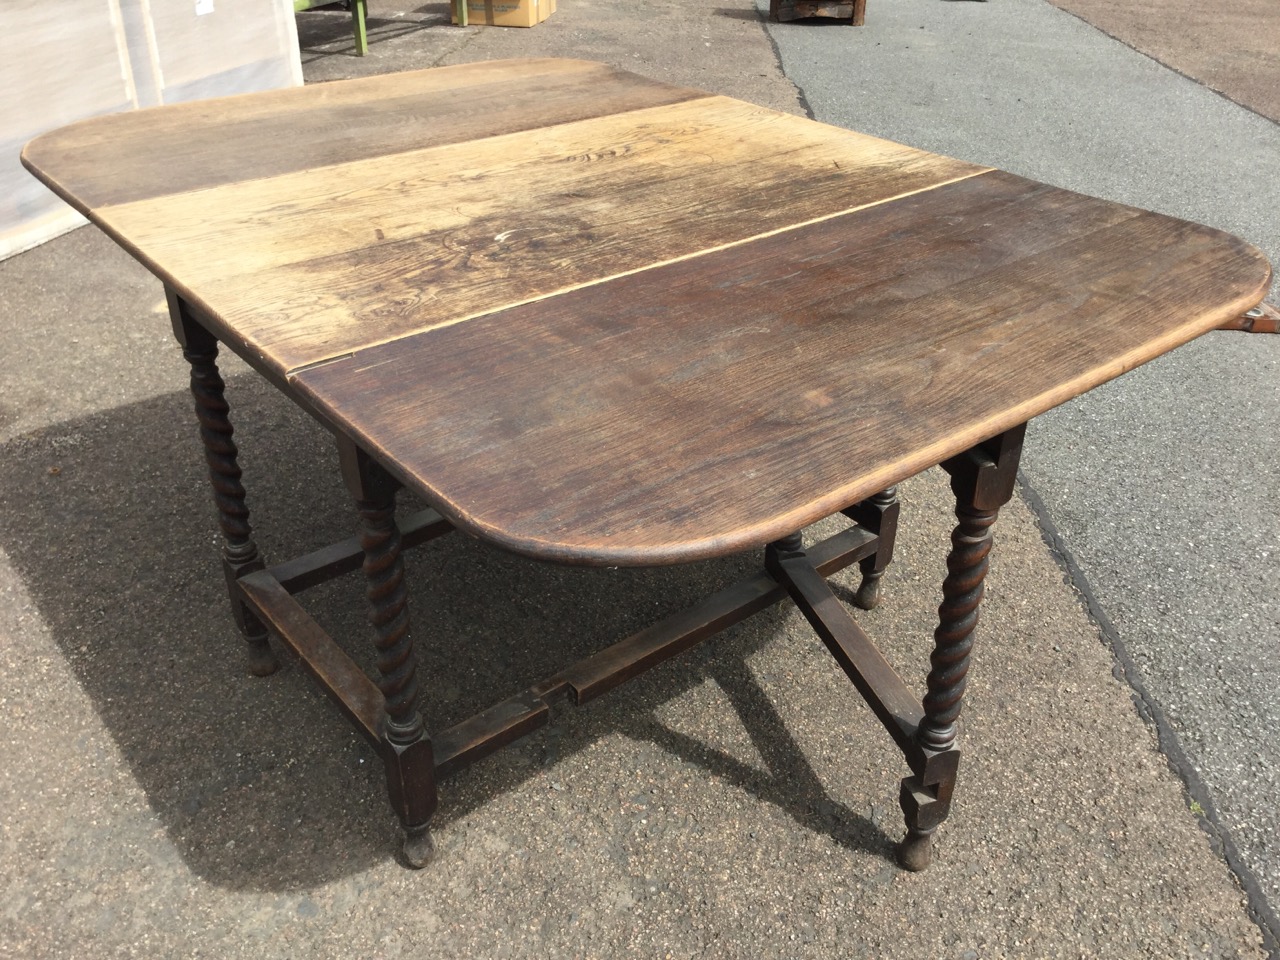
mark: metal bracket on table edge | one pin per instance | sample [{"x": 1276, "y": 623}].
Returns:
[{"x": 1264, "y": 318}]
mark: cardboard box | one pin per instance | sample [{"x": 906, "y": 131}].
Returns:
[{"x": 507, "y": 13}]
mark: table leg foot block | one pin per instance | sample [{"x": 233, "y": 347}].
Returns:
[
  {"x": 411, "y": 788},
  {"x": 915, "y": 852},
  {"x": 924, "y": 809},
  {"x": 262, "y": 659},
  {"x": 869, "y": 593},
  {"x": 419, "y": 849}
]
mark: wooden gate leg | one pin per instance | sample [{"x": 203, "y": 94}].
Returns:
[
  {"x": 239, "y": 552},
  {"x": 879, "y": 514},
  {"x": 982, "y": 480},
  {"x": 406, "y": 749}
]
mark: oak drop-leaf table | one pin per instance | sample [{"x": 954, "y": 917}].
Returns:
[{"x": 596, "y": 319}]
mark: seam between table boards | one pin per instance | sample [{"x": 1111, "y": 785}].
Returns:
[
  {"x": 99, "y": 214},
  {"x": 103, "y": 216},
  {"x": 427, "y": 328}
]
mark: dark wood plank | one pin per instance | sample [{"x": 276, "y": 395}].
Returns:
[
  {"x": 151, "y": 153},
  {"x": 720, "y": 402},
  {"x": 488, "y": 731}
]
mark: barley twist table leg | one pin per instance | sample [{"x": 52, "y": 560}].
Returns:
[
  {"x": 953, "y": 644},
  {"x": 957, "y": 617},
  {"x": 239, "y": 552},
  {"x": 982, "y": 480},
  {"x": 388, "y": 613},
  {"x": 406, "y": 749}
]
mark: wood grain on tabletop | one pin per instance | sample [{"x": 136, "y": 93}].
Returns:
[
  {"x": 147, "y": 154},
  {"x": 313, "y": 263},
  {"x": 721, "y": 401},
  {"x": 641, "y": 324}
]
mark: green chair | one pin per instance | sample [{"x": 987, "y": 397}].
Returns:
[{"x": 358, "y": 10}]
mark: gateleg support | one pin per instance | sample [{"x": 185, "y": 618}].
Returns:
[
  {"x": 925, "y": 796},
  {"x": 405, "y": 747},
  {"x": 874, "y": 677},
  {"x": 879, "y": 514}
]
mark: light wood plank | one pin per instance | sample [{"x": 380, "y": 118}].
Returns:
[
  {"x": 153, "y": 153},
  {"x": 315, "y": 264}
]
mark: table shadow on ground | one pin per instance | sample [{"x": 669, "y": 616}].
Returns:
[{"x": 260, "y": 783}]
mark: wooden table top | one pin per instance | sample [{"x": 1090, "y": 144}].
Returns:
[{"x": 600, "y": 319}]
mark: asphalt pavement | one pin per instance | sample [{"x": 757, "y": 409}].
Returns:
[
  {"x": 158, "y": 802},
  {"x": 1233, "y": 48},
  {"x": 1157, "y": 486}
]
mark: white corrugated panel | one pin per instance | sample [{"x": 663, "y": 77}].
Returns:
[{"x": 70, "y": 59}]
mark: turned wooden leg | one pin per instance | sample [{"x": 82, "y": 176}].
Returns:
[
  {"x": 239, "y": 552},
  {"x": 962, "y": 592},
  {"x": 982, "y": 480},
  {"x": 406, "y": 748},
  {"x": 953, "y": 643},
  {"x": 789, "y": 546},
  {"x": 879, "y": 514}
]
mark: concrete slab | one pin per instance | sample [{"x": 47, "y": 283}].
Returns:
[
  {"x": 738, "y": 803},
  {"x": 1233, "y": 48}
]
